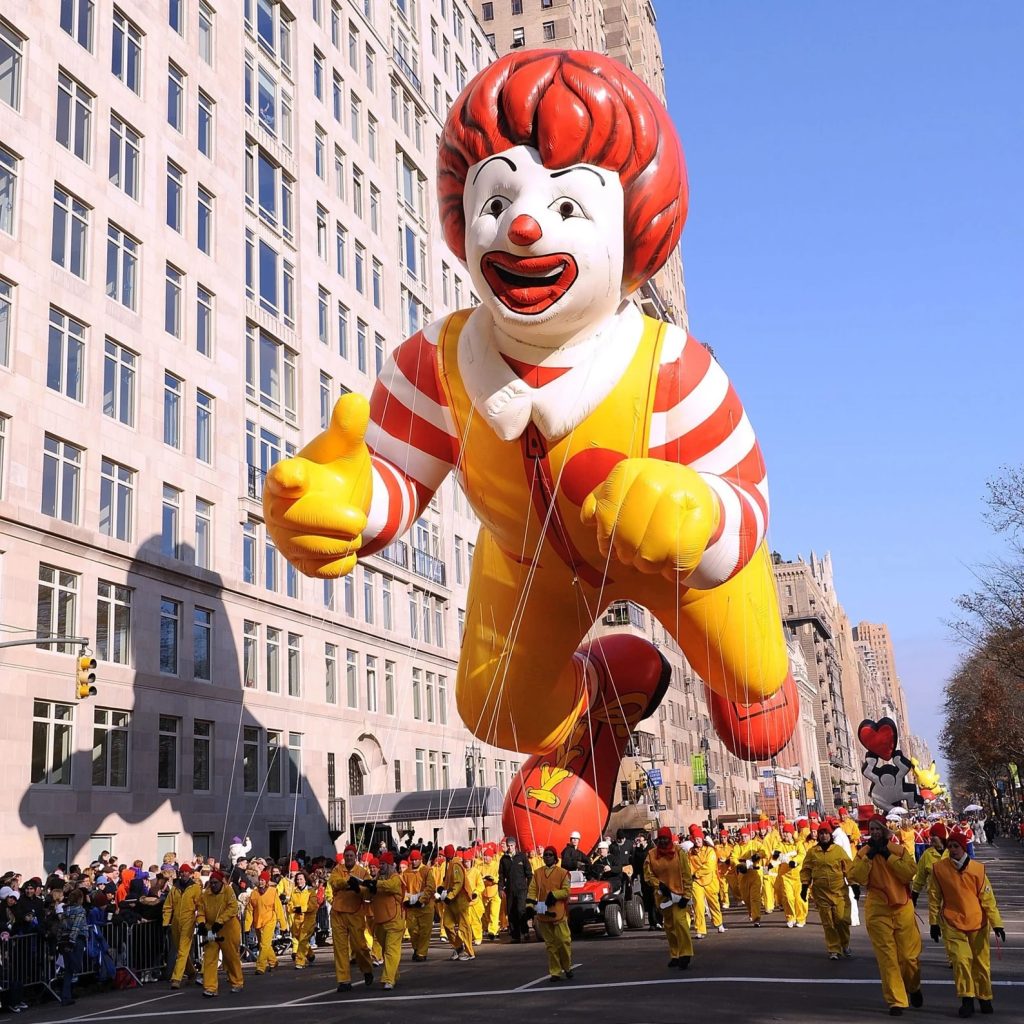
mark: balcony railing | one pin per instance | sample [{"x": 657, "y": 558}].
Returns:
[
  {"x": 428, "y": 567},
  {"x": 407, "y": 70},
  {"x": 397, "y": 553},
  {"x": 256, "y": 478}
]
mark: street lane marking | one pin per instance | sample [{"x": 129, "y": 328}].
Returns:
[
  {"x": 570, "y": 987},
  {"x": 543, "y": 977},
  {"x": 155, "y": 999}
]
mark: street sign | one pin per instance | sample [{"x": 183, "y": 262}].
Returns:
[
  {"x": 701, "y": 788},
  {"x": 654, "y": 777}
]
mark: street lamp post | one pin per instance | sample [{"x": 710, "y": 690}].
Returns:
[
  {"x": 472, "y": 762},
  {"x": 705, "y": 746}
]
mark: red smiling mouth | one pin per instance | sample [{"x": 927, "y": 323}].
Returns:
[{"x": 528, "y": 284}]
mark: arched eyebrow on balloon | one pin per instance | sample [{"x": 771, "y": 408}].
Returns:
[
  {"x": 492, "y": 159},
  {"x": 579, "y": 167}
]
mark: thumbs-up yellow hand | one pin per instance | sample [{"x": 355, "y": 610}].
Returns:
[{"x": 316, "y": 503}]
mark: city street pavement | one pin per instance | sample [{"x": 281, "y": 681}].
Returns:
[{"x": 751, "y": 975}]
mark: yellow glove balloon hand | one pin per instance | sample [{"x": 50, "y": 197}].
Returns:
[
  {"x": 316, "y": 503},
  {"x": 655, "y": 516}
]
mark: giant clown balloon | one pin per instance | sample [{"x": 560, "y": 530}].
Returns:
[{"x": 606, "y": 454}]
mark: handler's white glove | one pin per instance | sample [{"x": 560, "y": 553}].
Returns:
[
  {"x": 444, "y": 895},
  {"x": 414, "y": 898},
  {"x": 665, "y": 905},
  {"x": 676, "y": 897},
  {"x": 541, "y": 908}
]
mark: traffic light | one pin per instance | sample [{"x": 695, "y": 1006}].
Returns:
[{"x": 86, "y": 676}]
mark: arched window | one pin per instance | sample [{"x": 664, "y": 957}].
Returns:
[{"x": 356, "y": 774}]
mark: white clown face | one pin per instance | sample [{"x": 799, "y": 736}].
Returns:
[{"x": 544, "y": 248}]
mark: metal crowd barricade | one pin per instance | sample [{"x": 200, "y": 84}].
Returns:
[{"x": 25, "y": 960}]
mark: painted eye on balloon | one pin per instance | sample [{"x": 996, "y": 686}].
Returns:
[
  {"x": 495, "y": 206},
  {"x": 566, "y": 208}
]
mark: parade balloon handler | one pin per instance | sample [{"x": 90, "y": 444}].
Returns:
[
  {"x": 667, "y": 870},
  {"x": 823, "y": 875},
  {"x": 546, "y": 899},
  {"x": 962, "y": 910},
  {"x": 606, "y": 454}
]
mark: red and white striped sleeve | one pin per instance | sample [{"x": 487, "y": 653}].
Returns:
[
  {"x": 410, "y": 437},
  {"x": 698, "y": 421}
]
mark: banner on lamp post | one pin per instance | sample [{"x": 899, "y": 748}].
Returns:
[{"x": 699, "y": 769}]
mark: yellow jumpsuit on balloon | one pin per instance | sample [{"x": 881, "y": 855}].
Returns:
[{"x": 518, "y": 684}]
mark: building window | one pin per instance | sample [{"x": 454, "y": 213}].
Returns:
[
  {"x": 173, "y": 285},
  {"x": 269, "y": 189},
  {"x": 377, "y": 285},
  {"x": 6, "y": 309},
  {"x": 318, "y": 75},
  {"x": 273, "y": 761},
  {"x": 126, "y": 52},
  {"x": 65, "y": 355},
  {"x": 176, "y": 15},
  {"x": 326, "y": 399},
  {"x": 70, "y": 232},
  {"x": 294, "y": 763},
  {"x": 417, "y": 694},
  {"x": 204, "y": 533},
  {"x": 331, "y": 673},
  {"x": 117, "y": 492},
  {"x": 250, "y": 543},
  {"x": 8, "y": 189},
  {"x": 442, "y": 699},
  {"x": 294, "y": 665},
  {"x": 204, "y": 221},
  {"x": 204, "y": 321},
  {"x": 11, "y": 54},
  {"x": 74, "y": 115},
  {"x": 352, "y": 678},
  {"x": 205, "y": 125},
  {"x": 125, "y": 156},
  {"x": 273, "y": 660},
  {"x": 271, "y": 278},
  {"x": 170, "y": 522},
  {"x": 175, "y": 197},
  {"x": 206, "y": 32},
  {"x": 51, "y": 741},
  {"x": 176, "y": 98},
  {"x": 202, "y": 755},
  {"x": 371, "y": 683},
  {"x": 202, "y": 644},
  {"x": 167, "y": 753},
  {"x": 170, "y": 619},
  {"x": 518, "y": 35},
  {"x": 386, "y": 603},
  {"x": 549, "y": 30},
  {"x": 118, "y": 382},
  {"x": 76, "y": 17},
  {"x": 320, "y": 153},
  {"x": 369, "y": 591},
  {"x": 204, "y": 427},
  {"x": 421, "y": 768},
  {"x": 173, "y": 387},
  {"x": 110, "y": 748},
  {"x": 270, "y": 373},
  {"x": 251, "y": 759},
  {"x": 62, "y": 467},
  {"x": 122, "y": 264},
  {"x": 56, "y": 606},
  {"x": 3, "y": 442}
]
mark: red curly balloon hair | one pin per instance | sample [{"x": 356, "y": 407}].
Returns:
[{"x": 573, "y": 107}]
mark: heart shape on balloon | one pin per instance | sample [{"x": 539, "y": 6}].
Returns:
[{"x": 878, "y": 738}]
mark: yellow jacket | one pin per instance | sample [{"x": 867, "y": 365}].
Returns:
[
  {"x": 302, "y": 902},
  {"x": 924, "y": 868},
  {"x": 421, "y": 880},
  {"x": 550, "y": 886},
  {"x": 264, "y": 908},
  {"x": 704, "y": 867},
  {"x": 180, "y": 905},
  {"x": 217, "y": 908},
  {"x": 964, "y": 896},
  {"x": 343, "y": 899},
  {"x": 673, "y": 871},
  {"x": 887, "y": 878},
  {"x": 825, "y": 870},
  {"x": 386, "y": 903}
]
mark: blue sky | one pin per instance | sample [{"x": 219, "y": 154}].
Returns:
[{"x": 855, "y": 256}]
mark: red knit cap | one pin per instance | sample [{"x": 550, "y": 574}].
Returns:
[
  {"x": 787, "y": 828},
  {"x": 352, "y": 847},
  {"x": 264, "y": 876},
  {"x": 185, "y": 869},
  {"x": 293, "y": 866},
  {"x": 387, "y": 857},
  {"x": 216, "y": 876},
  {"x": 449, "y": 851},
  {"x": 551, "y": 850},
  {"x": 665, "y": 833},
  {"x": 824, "y": 826},
  {"x": 415, "y": 855},
  {"x": 958, "y": 835},
  {"x": 939, "y": 830},
  {"x": 696, "y": 832}
]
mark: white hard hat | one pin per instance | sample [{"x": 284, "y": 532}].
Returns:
[
  {"x": 574, "y": 835},
  {"x": 604, "y": 844}
]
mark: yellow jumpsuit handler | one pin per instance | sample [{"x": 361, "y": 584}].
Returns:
[
  {"x": 824, "y": 875},
  {"x": 265, "y": 913},
  {"x": 456, "y": 895},
  {"x": 418, "y": 881},
  {"x": 787, "y": 884},
  {"x": 960, "y": 899},
  {"x": 348, "y": 920},
  {"x": 547, "y": 897},
  {"x": 704, "y": 869},
  {"x": 302, "y": 907},
  {"x": 218, "y": 926},
  {"x": 667, "y": 869},
  {"x": 935, "y": 850},
  {"x": 180, "y": 914},
  {"x": 749, "y": 885},
  {"x": 886, "y": 868},
  {"x": 386, "y": 892}
]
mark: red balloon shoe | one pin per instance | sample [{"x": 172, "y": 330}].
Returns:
[
  {"x": 572, "y": 788},
  {"x": 758, "y": 731}
]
